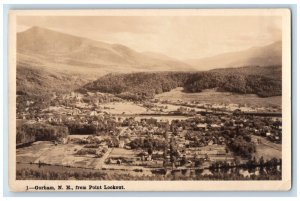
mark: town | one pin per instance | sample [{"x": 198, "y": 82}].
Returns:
[{"x": 100, "y": 136}]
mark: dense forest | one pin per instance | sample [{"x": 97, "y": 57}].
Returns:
[
  {"x": 263, "y": 81},
  {"x": 39, "y": 86},
  {"x": 40, "y": 132}
]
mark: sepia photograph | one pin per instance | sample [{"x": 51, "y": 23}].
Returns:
[{"x": 150, "y": 100}]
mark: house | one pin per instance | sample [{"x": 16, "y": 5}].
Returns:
[
  {"x": 127, "y": 147},
  {"x": 65, "y": 140},
  {"x": 215, "y": 126},
  {"x": 96, "y": 123},
  {"x": 76, "y": 111},
  {"x": 121, "y": 143},
  {"x": 149, "y": 157},
  {"x": 222, "y": 140},
  {"x": 144, "y": 156},
  {"x": 93, "y": 113},
  {"x": 201, "y": 126}
]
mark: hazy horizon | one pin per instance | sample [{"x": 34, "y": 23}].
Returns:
[{"x": 197, "y": 36}]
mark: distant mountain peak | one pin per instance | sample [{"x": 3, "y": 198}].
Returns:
[
  {"x": 58, "y": 48},
  {"x": 267, "y": 55}
]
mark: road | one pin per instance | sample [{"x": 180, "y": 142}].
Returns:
[{"x": 101, "y": 161}]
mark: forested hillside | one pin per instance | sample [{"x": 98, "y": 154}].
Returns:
[
  {"x": 273, "y": 72},
  {"x": 40, "y": 86},
  {"x": 265, "y": 82},
  {"x": 138, "y": 86}
]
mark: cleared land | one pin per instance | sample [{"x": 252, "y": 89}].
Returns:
[
  {"x": 61, "y": 154},
  {"x": 266, "y": 148},
  {"x": 123, "y": 107},
  {"x": 214, "y": 97}
]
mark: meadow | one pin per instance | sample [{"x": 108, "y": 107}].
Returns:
[{"x": 213, "y": 96}]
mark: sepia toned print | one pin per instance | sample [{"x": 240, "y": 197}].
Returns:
[{"x": 135, "y": 100}]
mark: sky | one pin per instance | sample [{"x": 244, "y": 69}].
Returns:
[{"x": 180, "y": 37}]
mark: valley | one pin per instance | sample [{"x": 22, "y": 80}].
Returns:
[
  {"x": 94, "y": 110},
  {"x": 161, "y": 138}
]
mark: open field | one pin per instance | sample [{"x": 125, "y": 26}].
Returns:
[
  {"x": 161, "y": 118},
  {"x": 61, "y": 157},
  {"x": 123, "y": 107},
  {"x": 267, "y": 149},
  {"x": 117, "y": 152},
  {"x": 61, "y": 154},
  {"x": 215, "y": 97}
]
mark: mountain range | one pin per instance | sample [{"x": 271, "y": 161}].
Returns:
[
  {"x": 52, "y": 62},
  {"x": 52, "y": 50},
  {"x": 80, "y": 55},
  {"x": 268, "y": 55}
]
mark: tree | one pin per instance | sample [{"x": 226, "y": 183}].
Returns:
[
  {"x": 261, "y": 161},
  {"x": 150, "y": 150},
  {"x": 198, "y": 163},
  {"x": 183, "y": 161}
]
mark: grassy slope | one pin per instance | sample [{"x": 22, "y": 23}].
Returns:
[{"x": 214, "y": 97}]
